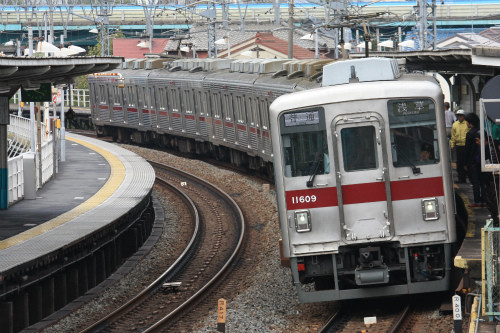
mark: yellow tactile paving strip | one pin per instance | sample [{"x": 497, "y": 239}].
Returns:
[
  {"x": 459, "y": 261},
  {"x": 116, "y": 178}
]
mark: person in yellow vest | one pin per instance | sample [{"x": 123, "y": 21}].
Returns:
[{"x": 457, "y": 142}]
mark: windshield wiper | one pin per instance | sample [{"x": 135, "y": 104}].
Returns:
[
  {"x": 318, "y": 162},
  {"x": 416, "y": 171}
]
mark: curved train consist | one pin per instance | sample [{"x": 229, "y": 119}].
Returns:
[{"x": 362, "y": 176}]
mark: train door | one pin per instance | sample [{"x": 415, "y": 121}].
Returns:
[
  {"x": 253, "y": 123},
  {"x": 152, "y": 103},
  {"x": 188, "y": 111},
  {"x": 218, "y": 131},
  {"x": 228, "y": 117},
  {"x": 266, "y": 132},
  {"x": 104, "y": 103},
  {"x": 163, "y": 120},
  {"x": 142, "y": 94},
  {"x": 241, "y": 118},
  {"x": 132, "y": 108},
  {"x": 363, "y": 184},
  {"x": 117, "y": 104},
  {"x": 175, "y": 109}
]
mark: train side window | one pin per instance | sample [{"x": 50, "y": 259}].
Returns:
[
  {"x": 263, "y": 110},
  {"x": 216, "y": 105},
  {"x": 131, "y": 96},
  {"x": 103, "y": 94},
  {"x": 252, "y": 111},
  {"x": 304, "y": 143},
  {"x": 206, "y": 103},
  {"x": 197, "y": 103},
  {"x": 116, "y": 95},
  {"x": 413, "y": 132},
  {"x": 359, "y": 148}
]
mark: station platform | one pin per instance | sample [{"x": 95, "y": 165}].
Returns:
[
  {"x": 82, "y": 174},
  {"x": 83, "y": 224},
  {"x": 94, "y": 172},
  {"x": 469, "y": 256}
]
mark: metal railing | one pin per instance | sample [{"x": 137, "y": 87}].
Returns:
[
  {"x": 490, "y": 269},
  {"x": 18, "y": 133},
  {"x": 18, "y": 136}
]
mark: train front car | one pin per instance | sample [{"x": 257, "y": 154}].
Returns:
[{"x": 363, "y": 181}]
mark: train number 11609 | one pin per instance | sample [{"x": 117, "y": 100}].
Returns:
[{"x": 303, "y": 198}]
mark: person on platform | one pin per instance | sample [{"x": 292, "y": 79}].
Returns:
[
  {"x": 450, "y": 118},
  {"x": 457, "y": 143},
  {"x": 473, "y": 160}
]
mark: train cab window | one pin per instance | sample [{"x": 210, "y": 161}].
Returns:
[
  {"x": 413, "y": 132},
  {"x": 359, "y": 148},
  {"x": 304, "y": 143}
]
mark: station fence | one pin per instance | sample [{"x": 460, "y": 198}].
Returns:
[
  {"x": 490, "y": 241},
  {"x": 19, "y": 146}
]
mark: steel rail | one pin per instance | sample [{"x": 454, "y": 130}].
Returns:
[{"x": 133, "y": 302}]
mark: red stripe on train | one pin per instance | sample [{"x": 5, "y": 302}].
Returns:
[
  {"x": 103, "y": 107},
  {"x": 242, "y": 127},
  {"x": 176, "y": 115},
  {"x": 163, "y": 113},
  {"x": 189, "y": 116},
  {"x": 145, "y": 111},
  {"x": 131, "y": 109},
  {"x": 363, "y": 193},
  {"x": 417, "y": 188},
  {"x": 117, "y": 108}
]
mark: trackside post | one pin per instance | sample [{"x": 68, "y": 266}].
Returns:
[{"x": 221, "y": 315}]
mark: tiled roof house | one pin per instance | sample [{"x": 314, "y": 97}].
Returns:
[
  {"x": 137, "y": 47},
  {"x": 272, "y": 42}
]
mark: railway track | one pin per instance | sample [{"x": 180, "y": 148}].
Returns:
[
  {"x": 218, "y": 233},
  {"x": 390, "y": 315}
]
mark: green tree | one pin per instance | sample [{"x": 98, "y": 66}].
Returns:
[
  {"x": 81, "y": 82},
  {"x": 96, "y": 49}
]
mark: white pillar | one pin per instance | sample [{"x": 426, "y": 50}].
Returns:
[{"x": 63, "y": 129}]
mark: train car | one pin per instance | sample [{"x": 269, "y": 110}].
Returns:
[
  {"x": 215, "y": 107},
  {"x": 363, "y": 181},
  {"x": 357, "y": 151}
]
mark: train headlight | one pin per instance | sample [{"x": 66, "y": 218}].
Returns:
[
  {"x": 302, "y": 221},
  {"x": 430, "y": 210}
]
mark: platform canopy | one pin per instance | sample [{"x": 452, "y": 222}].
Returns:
[{"x": 30, "y": 72}]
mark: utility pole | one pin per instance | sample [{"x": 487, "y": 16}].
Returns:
[
  {"x": 276, "y": 5},
  {"x": 290, "y": 29},
  {"x": 51, "y": 11},
  {"x": 425, "y": 14}
]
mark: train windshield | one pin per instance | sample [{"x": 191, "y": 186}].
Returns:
[
  {"x": 304, "y": 143},
  {"x": 414, "y": 137},
  {"x": 359, "y": 148}
]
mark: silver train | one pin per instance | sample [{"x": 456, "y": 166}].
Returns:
[
  {"x": 203, "y": 106},
  {"x": 362, "y": 176}
]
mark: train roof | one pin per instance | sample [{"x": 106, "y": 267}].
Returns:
[{"x": 414, "y": 84}]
